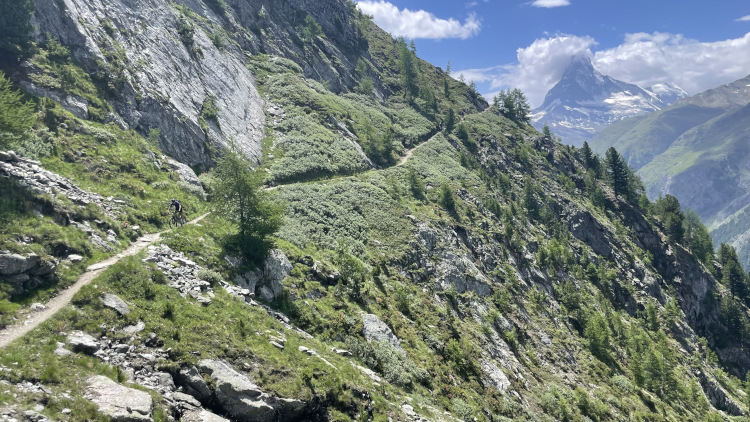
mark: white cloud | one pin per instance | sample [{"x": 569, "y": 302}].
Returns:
[
  {"x": 550, "y": 3},
  {"x": 647, "y": 59},
  {"x": 539, "y": 66},
  {"x": 419, "y": 23},
  {"x": 744, "y": 19},
  {"x": 642, "y": 59}
]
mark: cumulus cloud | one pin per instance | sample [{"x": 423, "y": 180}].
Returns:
[
  {"x": 642, "y": 59},
  {"x": 550, "y": 3},
  {"x": 744, "y": 19},
  {"x": 419, "y": 23},
  {"x": 647, "y": 59},
  {"x": 539, "y": 67}
]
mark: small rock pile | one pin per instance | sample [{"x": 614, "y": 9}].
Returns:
[
  {"x": 181, "y": 272},
  {"x": 25, "y": 272},
  {"x": 185, "y": 393},
  {"x": 29, "y": 173}
]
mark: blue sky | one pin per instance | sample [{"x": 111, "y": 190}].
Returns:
[{"x": 505, "y": 43}]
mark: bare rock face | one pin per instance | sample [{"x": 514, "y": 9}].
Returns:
[
  {"x": 244, "y": 400},
  {"x": 115, "y": 303},
  {"x": 201, "y": 415},
  {"x": 82, "y": 342},
  {"x": 266, "y": 281},
  {"x": 120, "y": 403},
  {"x": 166, "y": 79},
  {"x": 374, "y": 329}
]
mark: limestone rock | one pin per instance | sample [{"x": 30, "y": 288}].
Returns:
[
  {"x": 191, "y": 380},
  {"x": 244, "y": 400},
  {"x": 267, "y": 280},
  {"x": 82, "y": 342},
  {"x": 114, "y": 302},
  {"x": 201, "y": 415},
  {"x": 120, "y": 403},
  {"x": 376, "y": 330},
  {"x": 165, "y": 81}
]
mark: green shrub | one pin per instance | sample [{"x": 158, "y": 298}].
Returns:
[{"x": 211, "y": 276}]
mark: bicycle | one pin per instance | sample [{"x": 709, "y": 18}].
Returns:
[{"x": 176, "y": 220}]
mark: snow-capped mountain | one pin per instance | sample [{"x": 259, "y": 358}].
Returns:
[{"x": 585, "y": 101}]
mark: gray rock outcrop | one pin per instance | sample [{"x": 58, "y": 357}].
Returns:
[
  {"x": 201, "y": 415},
  {"x": 244, "y": 400},
  {"x": 82, "y": 342},
  {"x": 115, "y": 303},
  {"x": 266, "y": 281},
  {"x": 165, "y": 79},
  {"x": 374, "y": 329},
  {"x": 120, "y": 403},
  {"x": 29, "y": 173},
  {"x": 25, "y": 272}
]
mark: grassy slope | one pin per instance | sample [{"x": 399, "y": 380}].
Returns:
[
  {"x": 576, "y": 347},
  {"x": 642, "y": 138}
]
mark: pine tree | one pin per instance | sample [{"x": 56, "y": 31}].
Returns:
[
  {"x": 617, "y": 172},
  {"x": 447, "y": 200},
  {"x": 521, "y": 105},
  {"x": 546, "y": 132},
  {"x": 587, "y": 155},
  {"x": 408, "y": 64},
  {"x": 416, "y": 184},
  {"x": 450, "y": 120},
  {"x": 237, "y": 196},
  {"x": 698, "y": 237},
  {"x": 529, "y": 199}
]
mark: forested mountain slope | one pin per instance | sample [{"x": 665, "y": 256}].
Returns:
[
  {"x": 697, "y": 151},
  {"x": 434, "y": 259}
]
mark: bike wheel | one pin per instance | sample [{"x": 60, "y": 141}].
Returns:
[
  {"x": 182, "y": 221},
  {"x": 172, "y": 223}
]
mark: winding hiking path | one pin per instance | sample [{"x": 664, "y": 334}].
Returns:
[
  {"x": 13, "y": 332},
  {"x": 400, "y": 162}
]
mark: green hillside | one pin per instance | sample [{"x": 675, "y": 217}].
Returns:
[
  {"x": 640, "y": 139},
  {"x": 391, "y": 247}
]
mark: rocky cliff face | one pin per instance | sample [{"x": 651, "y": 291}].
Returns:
[
  {"x": 160, "y": 78},
  {"x": 181, "y": 68}
]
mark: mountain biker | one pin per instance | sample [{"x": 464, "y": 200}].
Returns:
[{"x": 177, "y": 208}]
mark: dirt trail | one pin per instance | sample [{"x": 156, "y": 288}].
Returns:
[
  {"x": 400, "y": 162},
  {"x": 11, "y": 333}
]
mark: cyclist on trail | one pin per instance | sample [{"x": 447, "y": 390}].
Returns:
[{"x": 177, "y": 208}]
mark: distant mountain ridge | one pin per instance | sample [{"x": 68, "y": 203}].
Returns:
[
  {"x": 585, "y": 101},
  {"x": 698, "y": 150}
]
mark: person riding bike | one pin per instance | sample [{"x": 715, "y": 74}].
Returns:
[{"x": 178, "y": 208}]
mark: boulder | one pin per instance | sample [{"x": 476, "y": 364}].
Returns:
[
  {"x": 7, "y": 156},
  {"x": 82, "y": 342},
  {"x": 120, "y": 403},
  {"x": 244, "y": 400},
  {"x": 11, "y": 264},
  {"x": 192, "y": 382},
  {"x": 267, "y": 280},
  {"x": 375, "y": 330},
  {"x": 236, "y": 394},
  {"x": 201, "y": 415},
  {"x": 115, "y": 303}
]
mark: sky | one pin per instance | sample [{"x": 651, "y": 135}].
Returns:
[{"x": 502, "y": 44}]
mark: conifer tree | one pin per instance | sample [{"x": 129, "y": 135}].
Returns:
[
  {"x": 237, "y": 196},
  {"x": 617, "y": 172},
  {"x": 587, "y": 155},
  {"x": 450, "y": 120}
]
